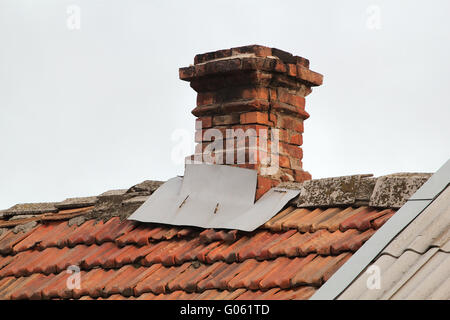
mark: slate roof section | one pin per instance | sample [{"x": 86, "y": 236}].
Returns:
[{"x": 289, "y": 257}]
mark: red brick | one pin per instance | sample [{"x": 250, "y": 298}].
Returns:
[
  {"x": 253, "y": 127},
  {"x": 286, "y": 97},
  {"x": 287, "y": 175},
  {"x": 313, "y": 78},
  {"x": 280, "y": 67},
  {"x": 254, "y": 117},
  {"x": 264, "y": 182},
  {"x": 285, "y": 108},
  {"x": 284, "y": 161},
  {"x": 260, "y": 192},
  {"x": 203, "y": 122},
  {"x": 296, "y": 138},
  {"x": 273, "y": 119},
  {"x": 291, "y": 150},
  {"x": 239, "y": 106},
  {"x": 227, "y": 119},
  {"x": 287, "y": 122},
  {"x": 300, "y": 175},
  {"x": 255, "y": 93},
  {"x": 259, "y": 51},
  {"x": 291, "y": 70},
  {"x": 186, "y": 73},
  {"x": 283, "y": 135},
  {"x": 205, "y": 98},
  {"x": 273, "y": 94},
  {"x": 296, "y": 164},
  {"x": 218, "y": 67}
]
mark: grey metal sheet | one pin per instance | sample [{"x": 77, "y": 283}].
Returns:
[
  {"x": 435, "y": 184},
  {"x": 213, "y": 196}
]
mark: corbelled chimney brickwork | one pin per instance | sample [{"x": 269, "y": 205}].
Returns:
[{"x": 260, "y": 91}]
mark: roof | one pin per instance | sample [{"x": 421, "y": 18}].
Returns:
[
  {"x": 409, "y": 256},
  {"x": 416, "y": 264},
  {"x": 289, "y": 257}
]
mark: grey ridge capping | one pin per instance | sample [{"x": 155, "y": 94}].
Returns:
[{"x": 420, "y": 200}]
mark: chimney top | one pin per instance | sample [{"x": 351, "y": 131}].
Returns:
[
  {"x": 248, "y": 58},
  {"x": 257, "y": 90}
]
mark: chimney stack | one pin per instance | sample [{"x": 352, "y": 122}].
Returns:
[{"x": 250, "y": 111}]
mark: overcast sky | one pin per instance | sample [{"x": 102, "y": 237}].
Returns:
[{"x": 90, "y": 107}]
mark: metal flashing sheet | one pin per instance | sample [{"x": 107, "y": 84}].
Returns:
[{"x": 213, "y": 196}]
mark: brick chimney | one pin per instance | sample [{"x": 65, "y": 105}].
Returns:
[{"x": 250, "y": 111}]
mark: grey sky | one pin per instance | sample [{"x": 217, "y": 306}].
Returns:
[{"x": 84, "y": 111}]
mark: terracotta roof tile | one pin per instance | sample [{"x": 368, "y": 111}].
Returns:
[
  {"x": 377, "y": 223},
  {"x": 282, "y": 275},
  {"x": 319, "y": 270},
  {"x": 158, "y": 280},
  {"x": 9, "y": 239},
  {"x": 113, "y": 229},
  {"x": 274, "y": 223},
  {"x": 288, "y": 258}
]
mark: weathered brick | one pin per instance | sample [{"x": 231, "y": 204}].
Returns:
[
  {"x": 186, "y": 73},
  {"x": 255, "y": 93},
  {"x": 285, "y": 108},
  {"x": 300, "y": 175},
  {"x": 250, "y": 89},
  {"x": 227, "y": 119},
  {"x": 291, "y": 150},
  {"x": 245, "y": 106},
  {"x": 291, "y": 70},
  {"x": 296, "y": 164},
  {"x": 259, "y": 51},
  {"x": 295, "y": 138},
  {"x": 205, "y": 98},
  {"x": 311, "y": 77},
  {"x": 287, "y": 175},
  {"x": 218, "y": 67},
  {"x": 203, "y": 122},
  {"x": 284, "y": 161},
  {"x": 280, "y": 67},
  {"x": 286, "y": 97},
  {"x": 254, "y": 117},
  {"x": 264, "y": 184},
  {"x": 288, "y": 122}
]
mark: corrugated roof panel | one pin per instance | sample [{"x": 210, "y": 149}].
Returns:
[
  {"x": 416, "y": 264},
  {"x": 369, "y": 251},
  {"x": 425, "y": 281},
  {"x": 426, "y": 229}
]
